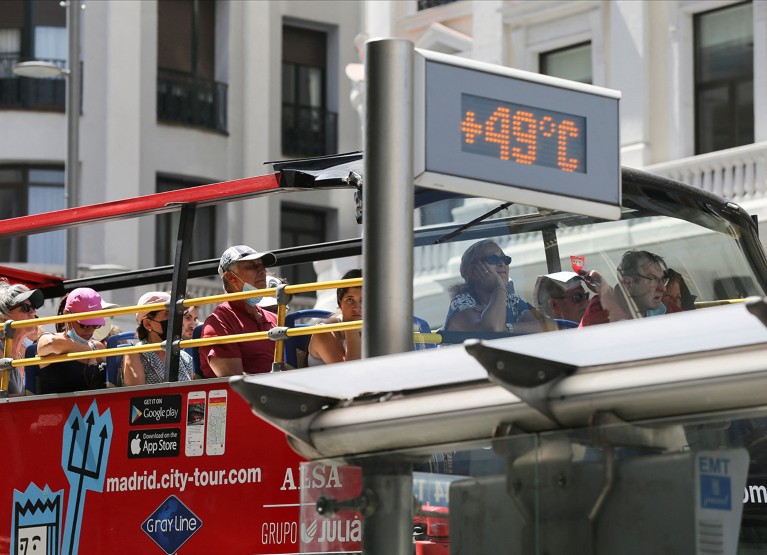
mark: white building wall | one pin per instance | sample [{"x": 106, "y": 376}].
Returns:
[{"x": 642, "y": 48}]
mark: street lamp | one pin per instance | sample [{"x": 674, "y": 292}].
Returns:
[{"x": 39, "y": 70}]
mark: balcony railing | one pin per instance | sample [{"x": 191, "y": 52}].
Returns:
[
  {"x": 738, "y": 174},
  {"x": 188, "y": 100},
  {"x": 308, "y": 131},
  {"x": 30, "y": 94},
  {"x": 426, "y": 4}
]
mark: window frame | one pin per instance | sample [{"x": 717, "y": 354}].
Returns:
[
  {"x": 17, "y": 248},
  {"x": 730, "y": 84},
  {"x": 166, "y": 225}
]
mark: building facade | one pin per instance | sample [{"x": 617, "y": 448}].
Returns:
[
  {"x": 177, "y": 93},
  {"x": 692, "y": 73}
]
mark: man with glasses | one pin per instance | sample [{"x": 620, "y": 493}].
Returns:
[
  {"x": 18, "y": 302},
  {"x": 77, "y": 337},
  {"x": 642, "y": 281},
  {"x": 561, "y": 296}
]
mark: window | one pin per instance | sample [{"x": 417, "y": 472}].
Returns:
[
  {"x": 187, "y": 92},
  {"x": 301, "y": 226},
  {"x": 32, "y": 190},
  {"x": 32, "y": 30},
  {"x": 204, "y": 232},
  {"x": 308, "y": 127},
  {"x": 571, "y": 62},
  {"x": 724, "y": 78}
]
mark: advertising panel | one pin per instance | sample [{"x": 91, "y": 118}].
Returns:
[{"x": 153, "y": 470}]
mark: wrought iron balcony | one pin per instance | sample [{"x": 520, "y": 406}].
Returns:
[
  {"x": 23, "y": 93},
  {"x": 308, "y": 131},
  {"x": 188, "y": 100},
  {"x": 426, "y": 4}
]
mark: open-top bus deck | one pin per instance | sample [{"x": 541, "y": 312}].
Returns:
[{"x": 598, "y": 437}]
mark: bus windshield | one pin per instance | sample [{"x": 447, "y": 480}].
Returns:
[{"x": 705, "y": 244}]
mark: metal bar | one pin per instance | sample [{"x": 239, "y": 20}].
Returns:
[
  {"x": 389, "y": 529},
  {"x": 184, "y": 240},
  {"x": 157, "y": 203},
  {"x": 72, "y": 190},
  {"x": 551, "y": 248},
  {"x": 279, "y": 345},
  {"x": 5, "y": 375},
  {"x": 388, "y": 200}
]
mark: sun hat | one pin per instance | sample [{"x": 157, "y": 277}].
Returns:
[
  {"x": 151, "y": 298},
  {"x": 84, "y": 299},
  {"x": 243, "y": 252}
]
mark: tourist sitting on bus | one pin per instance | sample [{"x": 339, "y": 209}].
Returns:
[
  {"x": 149, "y": 368},
  {"x": 485, "y": 301},
  {"x": 18, "y": 302},
  {"x": 77, "y": 337},
  {"x": 340, "y": 346},
  {"x": 189, "y": 321},
  {"x": 241, "y": 268},
  {"x": 561, "y": 296},
  {"x": 677, "y": 296},
  {"x": 642, "y": 282}
]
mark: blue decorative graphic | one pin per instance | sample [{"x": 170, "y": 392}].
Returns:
[
  {"x": 36, "y": 521},
  {"x": 171, "y": 525},
  {"x": 84, "y": 455},
  {"x": 715, "y": 492}
]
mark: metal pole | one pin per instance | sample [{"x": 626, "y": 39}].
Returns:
[
  {"x": 387, "y": 243},
  {"x": 389, "y": 529},
  {"x": 71, "y": 191}
]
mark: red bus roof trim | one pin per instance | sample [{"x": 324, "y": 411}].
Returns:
[
  {"x": 33, "y": 280},
  {"x": 140, "y": 206}
]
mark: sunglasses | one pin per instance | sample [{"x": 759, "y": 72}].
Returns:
[
  {"x": 88, "y": 326},
  {"x": 497, "y": 259},
  {"x": 655, "y": 281},
  {"x": 577, "y": 298},
  {"x": 26, "y": 308}
]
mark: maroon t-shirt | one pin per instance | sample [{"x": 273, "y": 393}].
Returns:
[{"x": 256, "y": 356}]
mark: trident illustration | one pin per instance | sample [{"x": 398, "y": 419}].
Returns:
[{"x": 84, "y": 454}]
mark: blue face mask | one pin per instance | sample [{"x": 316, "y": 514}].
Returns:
[
  {"x": 658, "y": 311},
  {"x": 248, "y": 287},
  {"x": 74, "y": 337}
]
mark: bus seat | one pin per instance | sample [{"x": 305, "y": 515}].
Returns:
[
  {"x": 195, "y": 352},
  {"x": 421, "y": 325},
  {"x": 31, "y": 380},
  {"x": 294, "y": 346},
  {"x": 114, "y": 363}
]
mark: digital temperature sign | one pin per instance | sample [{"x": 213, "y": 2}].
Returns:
[
  {"x": 486, "y": 130},
  {"x": 523, "y": 134}
]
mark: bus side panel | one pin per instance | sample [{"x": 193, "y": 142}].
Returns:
[{"x": 146, "y": 471}]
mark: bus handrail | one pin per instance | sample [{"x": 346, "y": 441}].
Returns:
[{"x": 8, "y": 362}]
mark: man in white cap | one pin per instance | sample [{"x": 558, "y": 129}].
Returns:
[
  {"x": 241, "y": 269},
  {"x": 77, "y": 337},
  {"x": 561, "y": 295}
]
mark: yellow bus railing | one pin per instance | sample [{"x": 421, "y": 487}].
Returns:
[{"x": 8, "y": 362}]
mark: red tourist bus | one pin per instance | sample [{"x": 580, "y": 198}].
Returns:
[{"x": 188, "y": 468}]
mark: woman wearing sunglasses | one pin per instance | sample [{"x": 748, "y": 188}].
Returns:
[
  {"x": 485, "y": 301},
  {"x": 77, "y": 337},
  {"x": 18, "y": 302}
]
